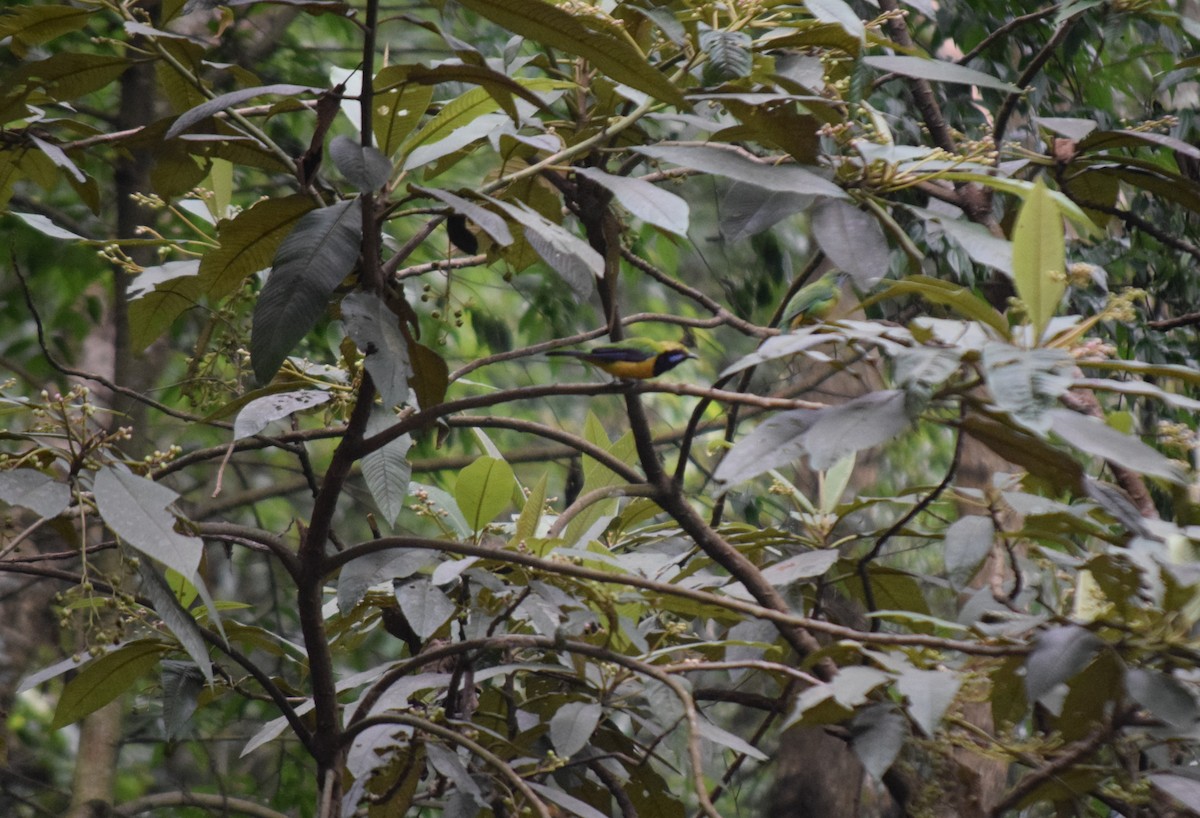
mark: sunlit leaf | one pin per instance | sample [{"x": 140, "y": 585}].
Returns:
[
  {"x": 483, "y": 490},
  {"x": 647, "y": 201},
  {"x": 1039, "y": 257}
]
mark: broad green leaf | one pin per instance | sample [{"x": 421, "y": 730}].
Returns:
[
  {"x": 397, "y": 114},
  {"x": 783, "y": 178},
  {"x": 966, "y": 544},
  {"x": 926, "y": 366},
  {"x": 864, "y": 422},
  {"x": 39, "y": 492},
  {"x": 1058, "y": 654},
  {"x": 375, "y": 330},
  {"x": 853, "y": 240},
  {"x": 568, "y": 802},
  {"x": 261, "y": 412},
  {"x": 1070, "y": 127},
  {"x": 1039, "y": 257},
  {"x": 386, "y": 470},
  {"x": 747, "y": 210},
  {"x": 729, "y": 56},
  {"x": 938, "y": 71},
  {"x": 178, "y": 620},
  {"x": 531, "y": 514},
  {"x": 363, "y": 166},
  {"x": 47, "y": 227},
  {"x": 483, "y": 490},
  {"x": 452, "y": 116},
  {"x": 572, "y": 725},
  {"x": 1163, "y": 695},
  {"x": 568, "y": 255},
  {"x": 360, "y": 574},
  {"x": 958, "y": 298},
  {"x": 775, "y": 442},
  {"x": 837, "y": 11},
  {"x": 929, "y": 693},
  {"x": 802, "y": 566},
  {"x": 876, "y": 736},
  {"x": 69, "y": 75},
  {"x": 424, "y": 606},
  {"x": 1182, "y": 787},
  {"x": 136, "y": 510},
  {"x": 488, "y": 222},
  {"x": 103, "y": 679},
  {"x": 151, "y": 278},
  {"x": 646, "y": 201},
  {"x": 1097, "y": 438},
  {"x": 717, "y": 735},
  {"x": 34, "y": 25},
  {"x": 226, "y": 101},
  {"x": 247, "y": 243},
  {"x": 182, "y": 684},
  {"x": 980, "y": 244},
  {"x": 487, "y": 125},
  {"x": 608, "y": 48},
  {"x": 316, "y": 256},
  {"x": 849, "y": 689},
  {"x": 1027, "y": 383},
  {"x": 597, "y": 476}
]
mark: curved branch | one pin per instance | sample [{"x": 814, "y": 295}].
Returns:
[{"x": 222, "y": 804}]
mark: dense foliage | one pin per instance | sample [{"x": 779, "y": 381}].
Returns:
[{"x": 322, "y": 529}]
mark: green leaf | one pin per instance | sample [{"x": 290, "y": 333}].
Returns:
[
  {"x": 177, "y": 619},
  {"x": 40, "y": 493},
  {"x": 801, "y": 566},
  {"x": 568, "y": 802},
  {"x": 386, "y": 470},
  {"x": 34, "y": 25},
  {"x": 1183, "y": 788},
  {"x": 1039, "y": 257},
  {"x": 608, "y": 48},
  {"x": 399, "y": 111},
  {"x": 424, "y": 606},
  {"x": 103, "y": 679},
  {"x": 938, "y": 71},
  {"x": 361, "y": 573},
  {"x": 717, "y": 735},
  {"x": 859, "y": 424},
  {"x": 363, "y": 166},
  {"x": 565, "y": 253},
  {"x": 1097, "y": 438},
  {"x": 729, "y": 56},
  {"x": 572, "y": 725},
  {"x": 958, "y": 298},
  {"x": 247, "y": 243},
  {"x": 966, "y": 544},
  {"x": 1027, "y": 383},
  {"x": 182, "y": 683},
  {"x": 979, "y": 243},
  {"x": 785, "y": 178},
  {"x": 838, "y": 12},
  {"x": 747, "y": 210},
  {"x": 1163, "y": 695},
  {"x": 487, "y": 221},
  {"x": 375, "y": 330},
  {"x": 226, "y": 101},
  {"x": 853, "y": 240},
  {"x": 1058, "y": 654},
  {"x": 644, "y": 200},
  {"x": 876, "y": 736},
  {"x": 136, "y": 510},
  {"x": 930, "y": 693},
  {"x": 531, "y": 513},
  {"x": 483, "y": 490},
  {"x": 261, "y": 412},
  {"x": 598, "y": 476},
  {"x": 311, "y": 262},
  {"x": 70, "y": 75}
]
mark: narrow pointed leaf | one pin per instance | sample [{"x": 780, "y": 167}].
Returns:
[
  {"x": 136, "y": 509},
  {"x": 784, "y": 178},
  {"x": 938, "y": 71},
  {"x": 316, "y": 256},
  {"x": 226, "y": 101},
  {"x": 647, "y": 201},
  {"x": 103, "y": 679},
  {"x": 375, "y": 329},
  {"x": 386, "y": 470},
  {"x": 1039, "y": 257}
]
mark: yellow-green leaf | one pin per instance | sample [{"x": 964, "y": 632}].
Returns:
[
  {"x": 483, "y": 490},
  {"x": 1039, "y": 258},
  {"x": 603, "y": 46},
  {"x": 102, "y": 680}
]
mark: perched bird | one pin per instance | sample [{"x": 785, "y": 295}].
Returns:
[
  {"x": 636, "y": 358},
  {"x": 814, "y": 301}
]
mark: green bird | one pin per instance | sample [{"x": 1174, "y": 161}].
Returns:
[
  {"x": 814, "y": 301},
  {"x": 634, "y": 358}
]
